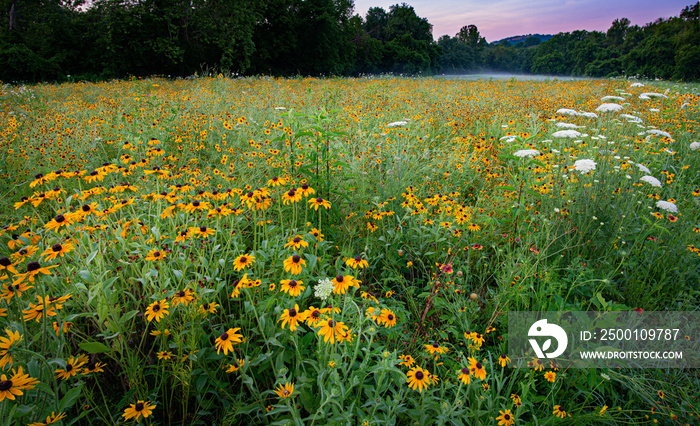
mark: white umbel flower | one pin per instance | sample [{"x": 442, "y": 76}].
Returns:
[
  {"x": 529, "y": 153},
  {"x": 397, "y": 123},
  {"x": 323, "y": 289},
  {"x": 566, "y": 134},
  {"x": 608, "y": 107},
  {"x": 695, "y": 146},
  {"x": 585, "y": 165},
  {"x": 667, "y": 205},
  {"x": 651, "y": 180}
]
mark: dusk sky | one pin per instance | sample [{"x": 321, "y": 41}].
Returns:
[{"x": 498, "y": 19}]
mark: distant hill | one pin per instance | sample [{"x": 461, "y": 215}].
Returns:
[{"x": 522, "y": 38}]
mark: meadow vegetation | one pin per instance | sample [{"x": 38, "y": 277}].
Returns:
[{"x": 215, "y": 250}]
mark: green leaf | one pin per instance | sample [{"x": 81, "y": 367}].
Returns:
[
  {"x": 95, "y": 347},
  {"x": 70, "y": 398}
]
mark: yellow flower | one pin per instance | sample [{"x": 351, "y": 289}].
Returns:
[
  {"x": 17, "y": 383},
  {"x": 418, "y": 379},
  {"x": 477, "y": 368},
  {"x": 226, "y": 340},
  {"x": 53, "y": 418},
  {"x": 505, "y": 419},
  {"x": 230, "y": 368},
  {"x": 243, "y": 261},
  {"x": 319, "y": 202},
  {"x": 6, "y": 344},
  {"x": 603, "y": 410},
  {"x": 285, "y": 391},
  {"x": 72, "y": 367},
  {"x": 464, "y": 375},
  {"x": 294, "y": 264},
  {"x": 406, "y": 360},
  {"x": 559, "y": 411},
  {"x": 292, "y": 287},
  {"x": 551, "y": 376},
  {"x": 356, "y": 262},
  {"x": 503, "y": 360},
  {"x": 297, "y": 242},
  {"x": 291, "y": 316},
  {"x": 388, "y": 318},
  {"x": 135, "y": 411},
  {"x": 157, "y": 310}
]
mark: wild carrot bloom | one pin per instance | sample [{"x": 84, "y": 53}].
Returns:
[
  {"x": 285, "y": 391},
  {"x": 157, "y": 310},
  {"x": 226, "y": 341},
  {"x": 294, "y": 264},
  {"x": 418, "y": 379},
  {"x": 292, "y": 287},
  {"x": 243, "y": 261},
  {"x": 135, "y": 411}
]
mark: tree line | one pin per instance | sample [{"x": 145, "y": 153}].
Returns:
[{"x": 55, "y": 40}]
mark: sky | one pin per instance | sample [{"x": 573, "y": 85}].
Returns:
[{"x": 499, "y": 19}]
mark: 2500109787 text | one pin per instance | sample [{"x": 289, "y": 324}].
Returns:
[{"x": 610, "y": 334}]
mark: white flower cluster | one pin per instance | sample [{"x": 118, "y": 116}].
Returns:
[
  {"x": 526, "y": 153},
  {"x": 397, "y": 123},
  {"x": 651, "y": 180},
  {"x": 609, "y": 107},
  {"x": 323, "y": 289},
  {"x": 584, "y": 166},
  {"x": 667, "y": 205},
  {"x": 566, "y": 134},
  {"x": 695, "y": 146}
]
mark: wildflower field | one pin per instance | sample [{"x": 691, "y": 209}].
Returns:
[{"x": 337, "y": 251}]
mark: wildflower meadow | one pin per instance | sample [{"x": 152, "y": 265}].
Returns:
[{"x": 222, "y": 251}]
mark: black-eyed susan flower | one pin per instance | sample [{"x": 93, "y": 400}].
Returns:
[
  {"x": 155, "y": 255},
  {"x": 292, "y": 287},
  {"x": 297, "y": 242},
  {"x": 290, "y": 197},
  {"x": 477, "y": 368},
  {"x": 243, "y": 261},
  {"x": 57, "y": 250},
  {"x": 356, "y": 262},
  {"x": 306, "y": 190},
  {"x": 226, "y": 341},
  {"x": 6, "y": 345},
  {"x": 503, "y": 360},
  {"x": 312, "y": 315},
  {"x": 33, "y": 269},
  {"x": 537, "y": 364},
  {"x": 40, "y": 310},
  {"x": 387, "y": 318},
  {"x": 559, "y": 411},
  {"x": 315, "y": 203},
  {"x": 9, "y": 290},
  {"x": 317, "y": 234},
  {"x": 505, "y": 418},
  {"x": 16, "y": 384},
  {"x": 331, "y": 330},
  {"x": 464, "y": 375},
  {"x": 285, "y": 391},
  {"x": 182, "y": 297},
  {"x": 294, "y": 264},
  {"x": 291, "y": 316},
  {"x": 93, "y": 367},
  {"x": 208, "y": 308},
  {"x": 435, "y": 349},
  {"x": 157, "y": 310},
  {"x": 407, "y": 360},
  {"x": 7, "y": 265},
  {"x": 138, "y": 410},
  {"x": 52, "y": 419},
  {"x": 72, "y": 367},
  {"x": 418, "y": 379},
  {"x": 58, "y": 222},
  {"x": 235, "y": 366},
  {"x": 516, "y": 400},
  {"x": 550, "y": 376},
  {"x": 165, "y": 355}
]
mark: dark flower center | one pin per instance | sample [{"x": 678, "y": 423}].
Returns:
[
  {"x": 195, "y": 203},
  {"x": 419, "y": 375},
  {"x": 38, "y": 176},
  {"x": 339, "y": 278},
  {"x": 391, "y": 317},
  {"x": 181, "y": 293},
  {"x": 506, "y": 417},
  {"x": 435, "y": 345},
  {"x": 5, "y": 385},
  {"x": 479, "y": 366},
  {"x": 296, "y": 258},
  {"x": 292, "y": 312},
  {"x": 330, "y": 323},
  {"x": 69, "y": 368},
  {"x": 93, "y": 173},
  {"x": 4, "y": 261},
  {"x": 205, "y": 306},
  {"x": 316, "y": 314},
  {"x": 139, "y": 406},
  {"x": 156, "y": 254},
  {"x": 23, "y": 252},
  {"x": 224, "y": 337},
  {"x": 291, "y": 193},
  {"x": 56, "y": 248},
  {"x": 250, "y": 194},
  {"x": 156, "y": 307},
  {"x": 305, "y": 186},
  {"x": 202, "y": 229},
  {"x": 85, "y": 208},
  {"x": 296, "y": 239},
  {"x": 33, "y": 266},
  {"x": 292, "y": 283},
  {"x": 319, "y": 200},
  {"x": 60, "y": 218},
  {"x": 358, "y": 259},
  {"x": 465, "y": 370}
]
